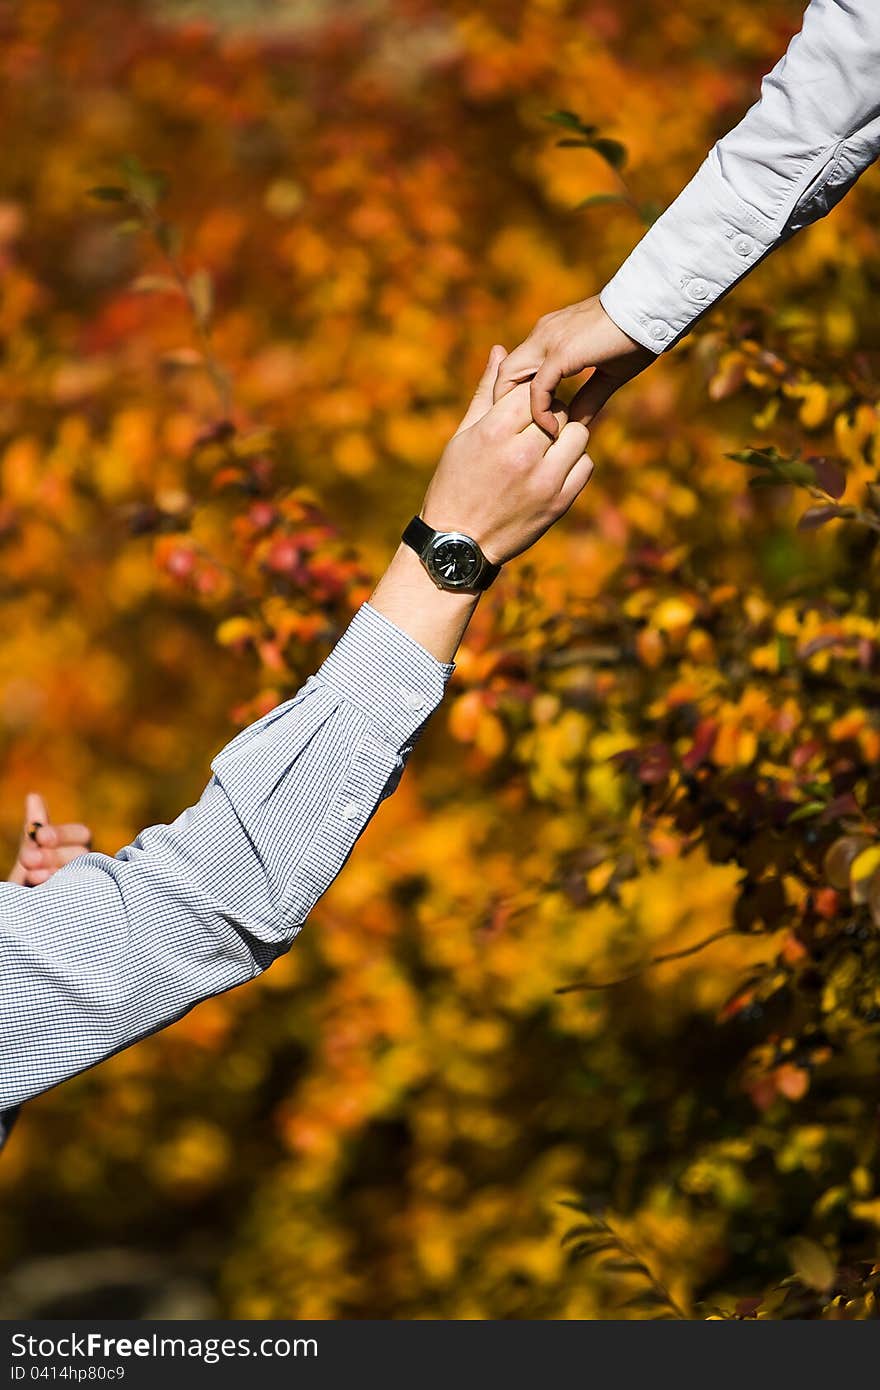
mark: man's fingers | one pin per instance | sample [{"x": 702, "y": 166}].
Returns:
[
  {"x": 590, "y": 399},
  {"x": 541, "y": 392},
  {"x": 578, "y": 477},
  {"x": 512, "y": 412},
  {"x": 36, "y": 812},
  {"x": 565, "y": 451},
  {"x": 481, "y": 400}
]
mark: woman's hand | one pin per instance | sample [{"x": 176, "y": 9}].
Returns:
[
  {"x": 564, "y": 343},
  {"x": 501, "y": 479},
  {"x": 44, "y": 848}
]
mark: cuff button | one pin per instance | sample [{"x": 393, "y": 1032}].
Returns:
[
  {"x": 412, "y": 700},
  {"x": 658, "y": 331},
  {"x": 351, "y": 810},
  {"x": 744, "y": 246},
  {"x": 698, "y": 289}
]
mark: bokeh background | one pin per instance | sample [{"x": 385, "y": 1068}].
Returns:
[{"x": 253, "y": 258}]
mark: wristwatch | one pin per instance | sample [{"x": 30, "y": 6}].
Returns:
[{"x": 453, "y": 560}]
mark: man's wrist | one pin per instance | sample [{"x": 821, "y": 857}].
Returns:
[
  {"x": 407, "y": 596},
  {"x": 407, "y": 564}
]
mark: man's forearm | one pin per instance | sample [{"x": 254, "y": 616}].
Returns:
[{"x": 110, "y": 949}]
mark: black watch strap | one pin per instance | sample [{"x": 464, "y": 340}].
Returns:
[{"x": 418, "y": 536}]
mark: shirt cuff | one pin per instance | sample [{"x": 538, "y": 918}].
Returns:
[
  {"x": 705, "y": 242},
  {"x": 386, "y": 674}
]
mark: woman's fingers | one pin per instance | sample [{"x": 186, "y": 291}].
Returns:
[
  {"x": 541, "y": 392},
  {"x": 33, "y": 861},
  {"x": 68, "y": 833},
  {"x": 45, "y": 847},
  {"x": 33, "y": 857},
  {"x": 538, "y": 438},
  {"x": 36, "y": 813},
  {"x": 33, "y": 877}
]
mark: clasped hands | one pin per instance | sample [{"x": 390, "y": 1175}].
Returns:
[
  {"x": 514, "y": 466},
  {"x": 518, "y": 459}
]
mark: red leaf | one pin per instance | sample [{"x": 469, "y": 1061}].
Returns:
[
  {"x": 701, "y": 748},
  {"x": 814, "y": 517},
  {"x": 829, "y": 476}
]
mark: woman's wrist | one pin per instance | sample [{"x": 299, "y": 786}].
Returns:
[{"x": 409, "y": 598}]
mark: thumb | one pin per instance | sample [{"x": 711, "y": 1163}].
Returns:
[
  {"x": 35, "y": 811},
  {"x": 481, "y": 402}
]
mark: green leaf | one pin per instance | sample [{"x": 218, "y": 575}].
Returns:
[
  {"x": 776, "y": 468},
  {"x": 820, "y": 791},
  {"x": 810, "y": 808},
  {"x": 597, "y": 199},
  {"x": 572, "y": 121},
  {"x": 145, "y": 185},
  {"x": 757, "y": 458},
  {"x": 612, "y": 151},
  {"x": 108, "y": 193},
  {"x": 570, "y": 144},
  {"x": 168, "y": 237}
]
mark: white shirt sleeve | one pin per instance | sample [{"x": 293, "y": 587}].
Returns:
[
  {"x": 794, "y": 155},
  {"x": 110, "y": 949}
]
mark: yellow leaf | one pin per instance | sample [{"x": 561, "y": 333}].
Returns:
[
  {"x": 234, "y": 630},
  {"x": 862, "y": 870},
  {"x": 673, "y": 615},
  {"x": 811, "y": 1263}
]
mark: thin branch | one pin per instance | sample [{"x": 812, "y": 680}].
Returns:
[
  {"x": 219, "y": 378},
  {"x": 656, "y": 960}
]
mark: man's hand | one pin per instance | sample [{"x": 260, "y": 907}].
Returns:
[
  {"x": 501, "y": 479},
  {"x": 44, "y": 848},
  {"x": 564, "y": 343}
]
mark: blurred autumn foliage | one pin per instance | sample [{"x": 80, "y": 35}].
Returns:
[{"x": 616, "y": 939}]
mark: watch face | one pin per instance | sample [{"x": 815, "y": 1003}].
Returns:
[{"x": 454, "y": 561}]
